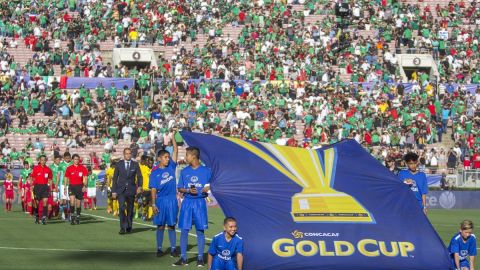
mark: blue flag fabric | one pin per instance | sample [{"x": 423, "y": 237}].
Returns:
[{"x": 330, "y": 208}]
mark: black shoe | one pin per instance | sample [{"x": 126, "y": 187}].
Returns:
[
  {"x": 174, "y": 254},
  {"x": 180, "y": 262},
  {"x": 129, "y": 230},
  {"x": 72, "y": 220},
  {"x": 122, "y": 231},
  {"x": 77, "y": 220},
  {"x": 44, "y": 220},
  {"x": 36, "y": 220},
  {"x": 200, "y": 263},
  {"x": 160, "y": 253}
]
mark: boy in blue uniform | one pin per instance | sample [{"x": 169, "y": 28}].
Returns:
[
  {"x": 194, "y": 183},
  {"x": 163, "y": 185},
  {"x": 416, "y": 180},
  {"x": 463, "y": 247},
  {"x": 226, "y": 249}
]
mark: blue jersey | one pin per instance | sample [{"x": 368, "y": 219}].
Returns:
[
  {"x": 224, "y": 250},
  {"x": 419, "y": 184},
  {"x": 464, "y": 249},
  {"x": 164, "y": 180},
  {"x": 198, "y": 177}
]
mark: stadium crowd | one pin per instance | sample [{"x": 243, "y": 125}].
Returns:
[{"x": 284, "y": 79}]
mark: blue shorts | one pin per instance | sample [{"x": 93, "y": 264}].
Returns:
[
  {"x": 219, "y": 264},
  {"x": 193, "y": 211},
  {"x": 463, "y": 264},
  {"x": 167, "y": 211}
]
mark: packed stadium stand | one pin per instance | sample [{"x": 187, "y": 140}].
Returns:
[{"x": 299, "y": 73}]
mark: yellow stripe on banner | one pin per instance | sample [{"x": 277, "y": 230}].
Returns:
[
  {"x": 306, "y": 164},
  {"x": 253, "y": 149},
  {"x": 295, "y": 160},
  {"x": 318, "y": 166},
  {"x": 329, "y": 162}
]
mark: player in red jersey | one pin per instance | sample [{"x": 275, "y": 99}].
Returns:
[
  {"x": 27, "y": 195},
  {"x": 76, "y": 180},
  {"x": 87, "y": 202},
  {"x": 24, "y": 174},
  {"x": 53, "y": 202},
  {"x": 8, "y": 184},
  {"x": 42, "y": 178}
]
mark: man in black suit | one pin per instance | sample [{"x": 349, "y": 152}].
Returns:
[{"x": 127, "y": 181}]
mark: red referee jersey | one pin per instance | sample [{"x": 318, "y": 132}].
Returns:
[
  {"x": 75, "y": 174},
  {"x": 41, "y": 175}
]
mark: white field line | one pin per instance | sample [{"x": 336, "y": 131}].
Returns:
[
  {"x": 142, "y": 224},
  {"x": 82, "y": 250}
]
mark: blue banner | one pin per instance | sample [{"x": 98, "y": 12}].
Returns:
[
  {"x": 90, "y": 83},
  {"x": 433, "y": 180},
  {"x": 453, "y": 199},
  {"x": 330, "y": 208}
]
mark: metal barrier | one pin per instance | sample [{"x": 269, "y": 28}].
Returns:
[{"x": 470, "y": 178}]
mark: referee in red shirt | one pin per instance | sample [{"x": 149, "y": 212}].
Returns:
[
  {"x": 42, "y": 179},
  {"x": 76, "y": 180}
]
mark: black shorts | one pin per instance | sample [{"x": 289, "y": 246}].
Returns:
[
  {"x": 76, "y": 190},
  {"x": 147, "y": 197},
  {"x": 41, "y": 192}
]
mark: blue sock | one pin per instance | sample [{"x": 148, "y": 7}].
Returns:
[
  {"x": 184, "y": 243},
  {"x": 160, "y": 238},
  {"x": 172, "y": 236},
  {"x": 201, "y": 243}
]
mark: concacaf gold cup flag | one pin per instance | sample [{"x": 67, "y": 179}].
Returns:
[
  {"x": 335, "y": 207},
  {"x": 318, "y": 201}
]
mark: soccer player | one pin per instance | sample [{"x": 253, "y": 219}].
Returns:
[
  {"x": 145, "y": 169},
  {"x": 92, "y": 189},
  {"x": 55, "y": 167},
  {"x": 226, "y": 249},
  {"x": 194, "y": 183},
  {"x": 416, "y": 180},
  {"x": 24, "y": 174},
  {"x": 76, "y": 180},
  {"x": 112, "y": 202},
  {"x": 42, "y": 179},
  {"x": 8, "y": 184},
  {"x": 463, "y": 247},
  {"x": 164, "y": 197},
  {"x": 62, "y": 187},
  {"x": 52, "y": 201},
  {"x": 27, "y": 195}
]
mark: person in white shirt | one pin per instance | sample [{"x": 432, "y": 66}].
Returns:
[
  {"x": 282, "y": 140},
  {"x": 108, "y": 145},
  {"x": 91, "y": 125},
  {"x": 75, "y": 96},
  {"x": 127, "y": 133},
  {"x": 6, "y": 151}
]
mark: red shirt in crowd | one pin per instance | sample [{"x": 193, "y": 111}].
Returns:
[
  {"x": 75, "y": 174},
  {"x": 368, "y": 138},
  {"x": 431, "y": 108},
  {"x": 41, "y": 174},
  {"x": 241, "y": 16}
]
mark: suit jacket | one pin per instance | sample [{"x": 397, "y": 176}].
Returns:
[{"x": 124, "y": 182}]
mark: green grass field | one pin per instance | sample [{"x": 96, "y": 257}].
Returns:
[{"x": 95, "y": 244}]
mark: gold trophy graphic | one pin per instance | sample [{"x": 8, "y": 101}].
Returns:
[{"x": 318, "y": 201}]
